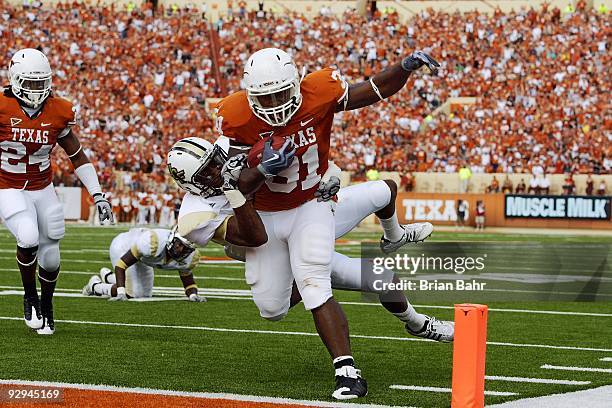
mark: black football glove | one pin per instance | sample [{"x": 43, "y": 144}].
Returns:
[
  {"x": 231, "y": 171},
  {"x": 417, "y": 60},
  {"x": 274, "y": 161}
]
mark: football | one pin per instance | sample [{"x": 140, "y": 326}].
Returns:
[{"x": 257, "y": 149}]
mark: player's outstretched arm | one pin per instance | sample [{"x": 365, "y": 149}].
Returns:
[
  {"x": 128, "y": 259},
  {"x": 86, "y": 172},
  {"x": 245, "y": 227},
  {"x": 387, "y": 82}
]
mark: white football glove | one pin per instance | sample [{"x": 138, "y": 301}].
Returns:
[
  {"x": 328, "y": 189},
  {"x": 194, "y": 297},
  {"x": 105, "y": 211},
  {"x": 121, "y": 297}
]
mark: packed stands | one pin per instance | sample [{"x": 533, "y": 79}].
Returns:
[{"x": 141, "y": 79}]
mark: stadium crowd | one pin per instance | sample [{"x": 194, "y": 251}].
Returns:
[{"x": 140, "y": 81}]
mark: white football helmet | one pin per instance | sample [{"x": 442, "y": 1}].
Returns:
[
  {"x": 188, "y": 161},
  {"x": 30, "y": 76},
  {"x": 178, "y": 247},
  {"x": 272, "y": 84}
]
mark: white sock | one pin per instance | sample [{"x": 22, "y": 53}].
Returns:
[
  {"x": 412, "y": 318},
  {"x": 102, "y": 289},
  {"x": 393, "y": 231}
]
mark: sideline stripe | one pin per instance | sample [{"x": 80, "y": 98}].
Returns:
[
  {"x": 296, "y": 333},
  {"x": 535, "y": 380},
  {"x": 569, "y": 368},
  {"x": 606, "y": 359},
  {"x": 439, "y": 389},
  {"x": 202, "y": 395},
  {"x": 552, "y": 312}
]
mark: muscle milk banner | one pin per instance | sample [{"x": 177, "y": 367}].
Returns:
[{"x": 564, "y": 207}]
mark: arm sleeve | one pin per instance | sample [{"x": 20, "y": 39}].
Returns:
[{"x": 200, "y": 228}]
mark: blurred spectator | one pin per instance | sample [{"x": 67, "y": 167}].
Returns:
[
  {"x": 462, "y": 213},
  {"x": 521, "y": 188},
  {"x": 569, "y": 185},
  {"x": 407, "y": 182},
  {"x": 480, "y": 215},
  {"x": 590, "y": 186},
  {"x": 494, "y": 186},
  {"x": 507, "y": 186},
  {"x": 534, "y": 186},
  {"x": 602, "y": 189},
  {"x": 465, "y": 174}
]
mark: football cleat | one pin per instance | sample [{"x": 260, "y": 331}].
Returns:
[
  {"x": 31, "y": 313},
  {"x": 416, "y": 232},
  {"x": 48, "y": 327},
  {"x": 88, "y": 289},
  {"x": 104, "y": 274},
  {"x": 434, "y": 329},
  {"x": 349, "y": 384}
]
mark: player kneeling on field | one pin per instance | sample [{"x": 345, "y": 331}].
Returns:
[{"x": 134, "y": 255}]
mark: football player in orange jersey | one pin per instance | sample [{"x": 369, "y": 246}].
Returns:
[
  {"x": 32, "y": 122},
  {"x": 279, "y": 101}
]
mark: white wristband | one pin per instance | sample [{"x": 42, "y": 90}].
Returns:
[
  {"x": 87, "y": 174},
  {"x": 120, "y": 290},
  {"x": 235, "y": 198}
]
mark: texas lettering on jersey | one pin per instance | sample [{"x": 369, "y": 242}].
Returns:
[
  {"x": 309, "y": 128},
  {"x": 26, "y": 142}
]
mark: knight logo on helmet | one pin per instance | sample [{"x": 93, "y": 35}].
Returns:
[{"x": 195, "y": 164}]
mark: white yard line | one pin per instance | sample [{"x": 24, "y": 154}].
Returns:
[
  {"x": 571, "y": 368},
  {"x": 202, "y": 395},
  {"x": 440, "y": 389},
  {"x": 296, "y": 333},
  {"x": 529, "y": 311},
  {"x": 491, "y": 309},
  {"x": 608, "y": 359},
  {"x": 89, "y": 273},
  {"x": 594, "y": 398},
  {"x": 535, "y": 380}
]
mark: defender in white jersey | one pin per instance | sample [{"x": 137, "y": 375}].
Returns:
[
  {"x": 134, "y": 256},
  {"x": 203, "y": 219}
]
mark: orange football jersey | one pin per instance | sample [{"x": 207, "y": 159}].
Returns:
[
  {"x": 26, "y": 143},
  {"x": 310, "y": 129}
]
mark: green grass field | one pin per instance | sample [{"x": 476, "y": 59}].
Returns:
[{"x": 224, "y": 346}]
